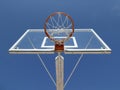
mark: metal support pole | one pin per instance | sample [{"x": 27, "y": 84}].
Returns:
[{"x": 59, "y": 72}]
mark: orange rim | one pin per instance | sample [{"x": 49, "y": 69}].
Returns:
[{"x": 52, "y": 15}]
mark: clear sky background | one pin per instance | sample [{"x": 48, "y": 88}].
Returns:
[{"x": 25, "y": 72}]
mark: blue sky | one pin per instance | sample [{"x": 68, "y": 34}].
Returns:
[{"x": 25, "y": 72}]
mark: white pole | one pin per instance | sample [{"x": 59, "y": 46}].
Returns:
[{"x": 59, "y": 72}]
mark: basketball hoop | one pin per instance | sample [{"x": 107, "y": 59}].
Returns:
[{"x": 61, "y": 25}]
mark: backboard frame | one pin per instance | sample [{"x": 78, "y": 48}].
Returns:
[{"x": 14, "y": 50}]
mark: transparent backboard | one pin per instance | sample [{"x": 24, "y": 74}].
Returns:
[{"x": 83, "y": 41}]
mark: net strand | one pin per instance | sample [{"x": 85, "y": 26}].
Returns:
[
  {"x": 59, "y": 15},
  {"x": 52, "y": 23},
  {"x": 66, "y": 18},
  {"x": 69, "y": 26}
]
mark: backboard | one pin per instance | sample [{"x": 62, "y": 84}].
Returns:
[{"x": 83, "y": 41}]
